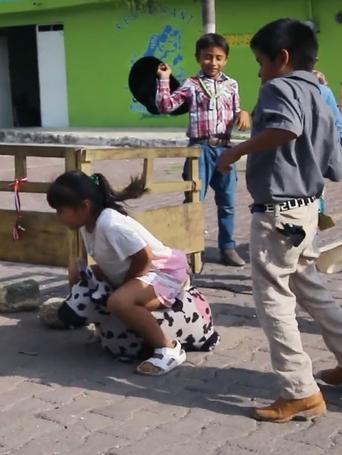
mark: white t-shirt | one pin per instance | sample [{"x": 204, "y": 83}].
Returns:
[{"x": 115, "y": 238}]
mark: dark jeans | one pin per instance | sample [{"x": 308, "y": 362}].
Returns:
[{"x": 224, "y": 187}]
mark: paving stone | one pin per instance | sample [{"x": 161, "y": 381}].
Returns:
[
  {"x": 65, "y": 439},
  {"x": 227, "y": 449},
  {"x": 99, "y": 443},
  {"x": 19, "y": 296},
  {"x": 156, "y": 440},
  {"x": 336, "y": 445},
  {"x": 20, "y": 410},
  {"x": 24, "y": 430},
  {"x": 60, "y": 396},
  {"x": 195, "y": 448},
  {"x": 227, "y": 428},
  {"x": 285, "y": 447},
  {"x": 321, "y": 432},
  {"x": 143, "y": 422},
  {"x": 8, "y": 383},
  {"x": 268, "y": 437},
  {"x": 69, "y": 413},
  {"x": 92, "y": 422}
]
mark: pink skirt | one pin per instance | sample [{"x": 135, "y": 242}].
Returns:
[{"x": 169, "y": 277}]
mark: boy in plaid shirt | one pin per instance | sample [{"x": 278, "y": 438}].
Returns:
[{"x": 214, "y": 107}]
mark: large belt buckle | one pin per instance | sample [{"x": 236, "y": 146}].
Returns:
[{"x": 213, "y": 141}]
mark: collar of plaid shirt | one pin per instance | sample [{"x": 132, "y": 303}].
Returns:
[
  {"x": 211, "y": 121},
  {"x": 222, "y": 77}
]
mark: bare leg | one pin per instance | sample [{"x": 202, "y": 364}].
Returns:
[{"x": 132, "y": 303}]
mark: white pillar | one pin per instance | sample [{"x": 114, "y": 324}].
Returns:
[{"x": 208, "y": 16}]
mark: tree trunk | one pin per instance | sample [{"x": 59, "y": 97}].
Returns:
[{"x": 208, "y": 16}]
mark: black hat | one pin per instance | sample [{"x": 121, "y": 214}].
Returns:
[{"x": 142, "y": 83}]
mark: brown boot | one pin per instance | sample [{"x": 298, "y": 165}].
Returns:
[
  {"x": 331, "y": 377},
  {"x": 231, "y": 257},
  {"x": 282, "y": 410}
]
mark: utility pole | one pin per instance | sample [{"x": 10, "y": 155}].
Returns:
[{"x": 208, "y": 16}]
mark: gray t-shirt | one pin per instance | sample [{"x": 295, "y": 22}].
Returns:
[{"x": 297, "y": 169}]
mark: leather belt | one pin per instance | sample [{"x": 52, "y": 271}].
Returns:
[
  {"x": 283, "y": 206},
  {"x": 212, "y": 141}
]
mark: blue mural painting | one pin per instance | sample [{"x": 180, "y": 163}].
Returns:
[{"x": 166, "y": 46}]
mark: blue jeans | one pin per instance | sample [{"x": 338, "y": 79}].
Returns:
[{"x": 224, "y": 187}]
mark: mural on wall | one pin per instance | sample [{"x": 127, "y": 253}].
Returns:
[
  {"x": 238, "y": 39},
  {"x": 167, "y": 47},
  {"x": 164, "y": 44}
]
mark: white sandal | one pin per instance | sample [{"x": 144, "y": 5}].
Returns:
[{"x": 166, "y": 359}]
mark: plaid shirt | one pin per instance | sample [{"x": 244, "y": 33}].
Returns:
[{"x": 205, "y": 120}]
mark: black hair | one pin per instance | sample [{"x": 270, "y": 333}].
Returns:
[
  {"x": 211, "y": 40},
  {"x": 294, "y": 36},
  {"x": 72, "y": 188}
]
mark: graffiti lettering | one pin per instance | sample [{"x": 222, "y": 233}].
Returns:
[
  {"x": 166, "y": 46},
  {"x": 159, "y": 9},
  {"x": 241, "y": 40}
]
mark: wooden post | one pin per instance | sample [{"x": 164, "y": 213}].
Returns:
[
  {"x": 20, "y": 165},
  {"x": 196, "y": 258},
  {"x": 84, "y": 165},
  {"x": 148, "y": 171},
  {"x": 76, "y": 249}
]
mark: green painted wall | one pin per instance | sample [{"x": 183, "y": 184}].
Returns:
[
  {"x": 247, "y": 16},
  {"x": 14, "y": 6},
  {"x": 233, "y": 18},
  {"x": 102, "y": 40}
]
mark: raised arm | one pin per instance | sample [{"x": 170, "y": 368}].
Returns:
[{"x": 165, "y": 101}]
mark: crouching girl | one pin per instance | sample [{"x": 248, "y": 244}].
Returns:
[{"x": 139, "y": 289}]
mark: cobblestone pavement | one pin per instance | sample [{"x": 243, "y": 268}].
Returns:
[{"x": 60, "y": 394}]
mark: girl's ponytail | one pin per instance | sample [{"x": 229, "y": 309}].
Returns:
[
  {"x": 72, "y": 188},
  {"x": 111, "y": 197}
]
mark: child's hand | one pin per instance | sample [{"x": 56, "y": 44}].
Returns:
[
  {"x": 243, "y": 121},
  {"x": 164, "y": 71},
  {"x": 228, "y": 157},
  {"x": 321, "y": 77}
]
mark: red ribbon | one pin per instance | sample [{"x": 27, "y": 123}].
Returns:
[{"x": 17, "y": 186}]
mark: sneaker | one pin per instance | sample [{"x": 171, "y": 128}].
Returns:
[
  {"x": 231, "y": 257},
  {"x": 282, "y": 410},
  {"x": 331, "y": 377}
]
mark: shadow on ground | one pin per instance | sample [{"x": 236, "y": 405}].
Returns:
[{"x": 51, "y": 357}]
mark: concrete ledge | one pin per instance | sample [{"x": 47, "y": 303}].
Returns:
[{"x": 100, "y": 137}]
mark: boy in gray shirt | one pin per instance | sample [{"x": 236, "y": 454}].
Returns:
[{"x": 294, "y": 147}]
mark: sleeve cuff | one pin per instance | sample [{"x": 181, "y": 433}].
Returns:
[
  {"x": 164, "y": 82},
  {"x": 286, "y": 126}
]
